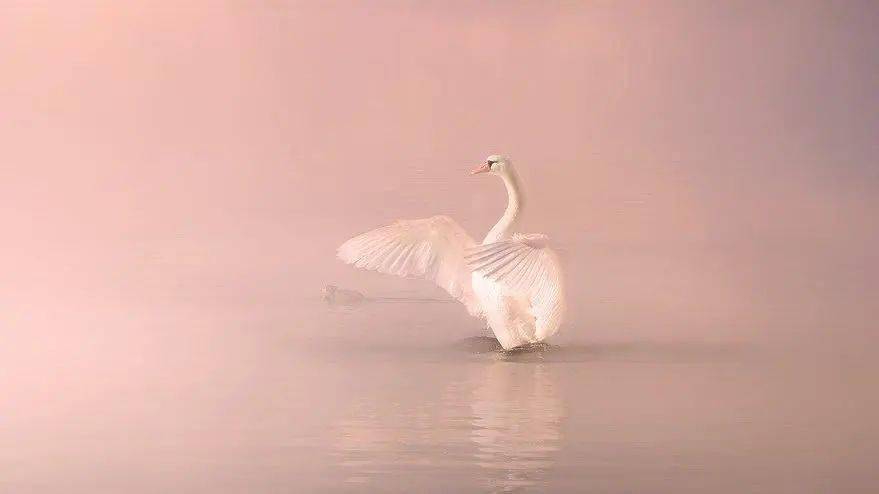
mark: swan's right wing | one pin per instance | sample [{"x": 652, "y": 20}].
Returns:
[
  {"x": 525, "y": 265},
  {"x": 431, "y": 248}
]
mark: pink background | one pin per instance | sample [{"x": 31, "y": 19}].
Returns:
[
  {"x": 175, "y": 178},
  {"x": 710, "y": 169}
]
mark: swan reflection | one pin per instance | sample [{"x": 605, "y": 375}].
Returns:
[
  {"x": 497, "y": 422},
  {"x": 516, "y": 424}
]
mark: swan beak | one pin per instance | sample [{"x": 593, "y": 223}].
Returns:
[{"x": 483, "y": 168}]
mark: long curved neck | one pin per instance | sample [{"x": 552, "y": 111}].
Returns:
[{"x": 515, "y": 201}]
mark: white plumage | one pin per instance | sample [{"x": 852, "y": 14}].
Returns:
[
  {"x": 431, "y": 248},
  {"x": 512, "y": 280}
]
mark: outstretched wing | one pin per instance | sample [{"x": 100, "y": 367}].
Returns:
[
  {"x": 431, "y": 248},
  {"x": 524, "y": 265}
]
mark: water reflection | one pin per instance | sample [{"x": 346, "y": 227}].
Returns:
[
  {"x": 494, "y": 423},
  {"x": 516, "y": 424}
]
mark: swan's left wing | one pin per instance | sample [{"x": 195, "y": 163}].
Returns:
[
  {"x": 525, "y": 265},
  {"x": 430, "y": 248}
]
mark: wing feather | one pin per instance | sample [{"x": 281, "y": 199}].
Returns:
[
  {"x": 524, "y": 265},
  {"x": 431, "y": 248},
  {"x": 490, "y": 256}
]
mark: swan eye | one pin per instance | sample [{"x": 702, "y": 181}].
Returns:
[{"x": 491, "y": 163}]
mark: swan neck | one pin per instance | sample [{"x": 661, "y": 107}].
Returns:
[{"x": 503, "y": 229}]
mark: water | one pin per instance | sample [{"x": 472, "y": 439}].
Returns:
[{"x": 252, "y": 407}]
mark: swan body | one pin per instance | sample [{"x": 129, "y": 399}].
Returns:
[{"x": 512, "y": 280}]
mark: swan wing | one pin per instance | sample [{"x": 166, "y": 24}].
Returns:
[
  {"x": 430, "y": 248},
  {"x": 525, "y": 265}
]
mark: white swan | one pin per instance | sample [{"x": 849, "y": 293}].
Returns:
[{"x": 511, "y": 279}]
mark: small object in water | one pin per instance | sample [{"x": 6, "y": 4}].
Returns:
[
  {"x": 334, "y": 295},
  {"x": 342, "y": 297}
]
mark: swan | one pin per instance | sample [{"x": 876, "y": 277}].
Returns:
[{"x": 512, "y": 280}]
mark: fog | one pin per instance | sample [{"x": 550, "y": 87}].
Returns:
[{"x": 175, "y": 179}]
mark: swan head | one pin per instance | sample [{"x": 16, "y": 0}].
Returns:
[{"x": 495, "y": 165}]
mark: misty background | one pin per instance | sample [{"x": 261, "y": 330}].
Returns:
[
  {"x": 174, "y": 179},
  {"x": 709, "y": 169}
]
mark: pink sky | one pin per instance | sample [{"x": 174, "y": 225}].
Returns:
[{"x": 709, "y": 169}]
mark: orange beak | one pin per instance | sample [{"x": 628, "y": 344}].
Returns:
[{"x": 483, "y": 168}]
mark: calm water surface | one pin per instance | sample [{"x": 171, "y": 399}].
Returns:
[{"x": 259, "y": 409}]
